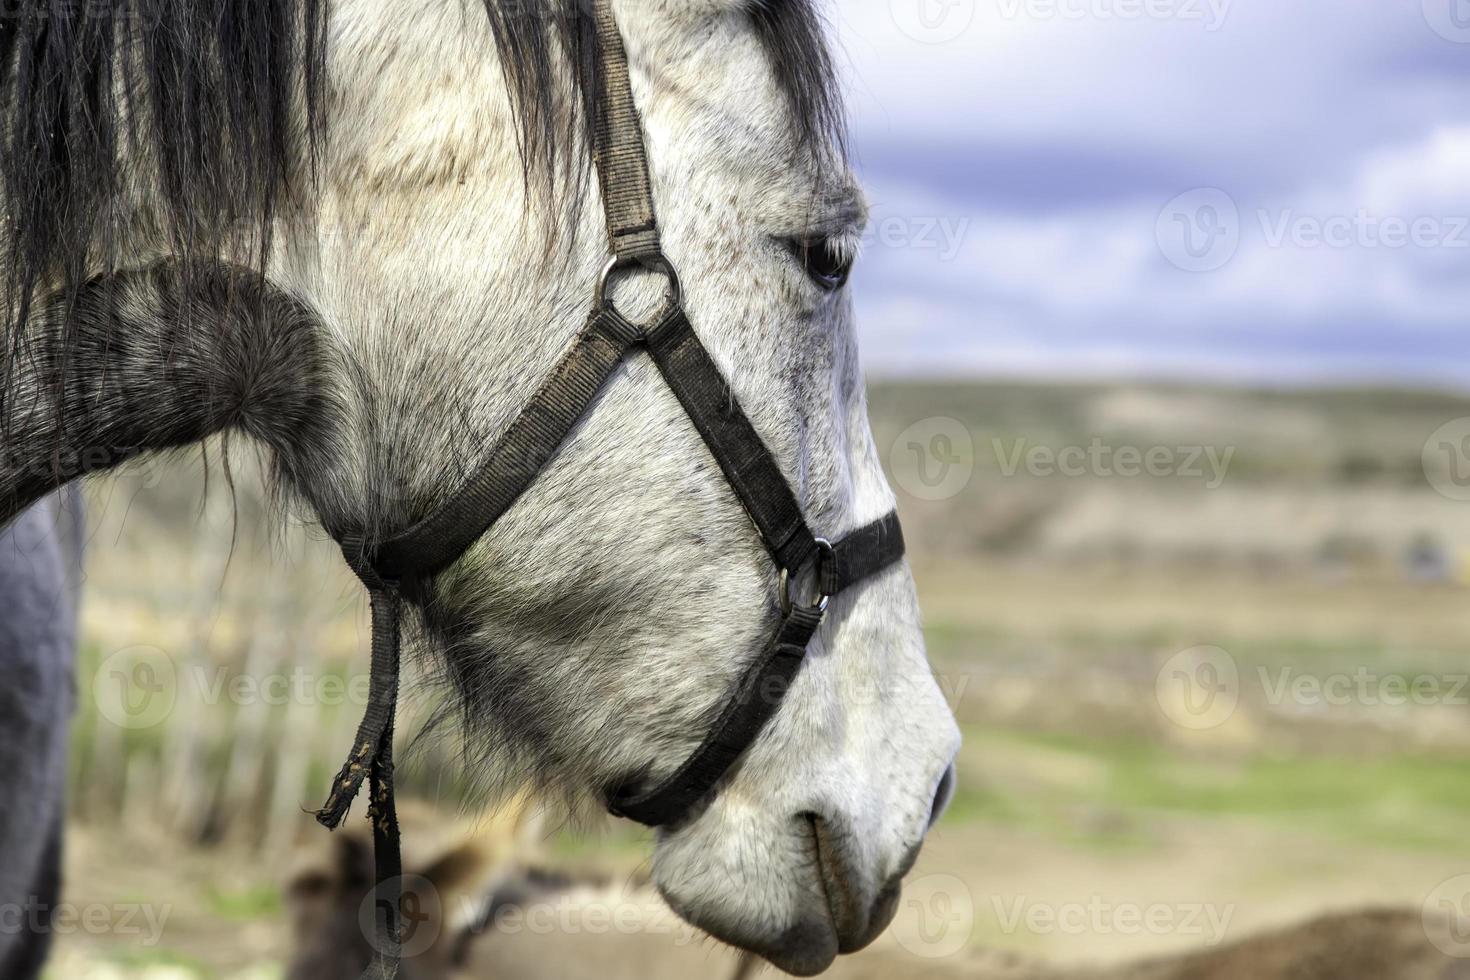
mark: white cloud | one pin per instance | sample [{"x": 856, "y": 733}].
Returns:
[
  {"x": 1271, "y": 66},
  {"x": 1318, "y": 117}
]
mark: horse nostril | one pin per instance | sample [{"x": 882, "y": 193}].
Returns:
[{"x": 942, "y": 795}]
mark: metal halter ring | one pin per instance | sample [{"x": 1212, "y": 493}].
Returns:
[
  {"x": 657, "y": 263},
  {"x": 824, "y": 554}
]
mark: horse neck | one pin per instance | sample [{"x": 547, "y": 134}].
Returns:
[{"x": 156, "y": 359}]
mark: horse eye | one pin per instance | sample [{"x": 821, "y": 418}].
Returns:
[{"x": 823, "y": 263}]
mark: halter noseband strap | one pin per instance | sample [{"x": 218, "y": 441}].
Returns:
[{"x": 528, "y": 446}]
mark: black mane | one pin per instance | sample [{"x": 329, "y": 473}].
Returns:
[{"x": 212, "y": 90}]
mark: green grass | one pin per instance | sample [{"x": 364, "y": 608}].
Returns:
[
  {"x": 1397, "y": 800},
  {"x": 246, "y": 905},
  {"x": 617, "y": 843},
  {"x": 142, "y": 959},
  {"x": 957, "y": 642}
]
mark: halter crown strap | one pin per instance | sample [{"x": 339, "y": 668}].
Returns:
[{"x": 618, "y": 145}]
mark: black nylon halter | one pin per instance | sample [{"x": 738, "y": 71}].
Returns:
[{"x": 525, "y": 450}]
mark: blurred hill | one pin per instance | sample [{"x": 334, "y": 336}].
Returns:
[{"x": 1174, "y": 474}]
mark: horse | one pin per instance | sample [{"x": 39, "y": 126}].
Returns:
[
  {"x": 40, "y": 568},
  {"x": 456, "y": 873},
  {"x": 358, "y": 238}
]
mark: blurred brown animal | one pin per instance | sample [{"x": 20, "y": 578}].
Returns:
[
  {"x": 478, "y": 900},
  {"x": 452, "y": 869},
  {"x": 1372, "y": 944},
  {"x": 1376, "y": 944}
]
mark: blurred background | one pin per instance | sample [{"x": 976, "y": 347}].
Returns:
[{"x": 1162, "y": 305}]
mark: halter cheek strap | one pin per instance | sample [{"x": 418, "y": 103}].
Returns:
[{"x": 524, "y": 451}]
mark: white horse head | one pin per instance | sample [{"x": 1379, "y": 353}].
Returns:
[{"x": 417, "y": 294}]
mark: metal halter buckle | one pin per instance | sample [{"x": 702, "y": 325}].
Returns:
[
  {"x": 824, "y": 554},
  {"x": 656, "y": 263}
]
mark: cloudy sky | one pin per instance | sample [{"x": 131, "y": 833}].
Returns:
[{"x": 1258, "y": 190}]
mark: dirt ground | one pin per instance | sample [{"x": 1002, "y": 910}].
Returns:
[
  {"x": 1090, "y": 828},
  {"x": 984, "y": 899}
]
